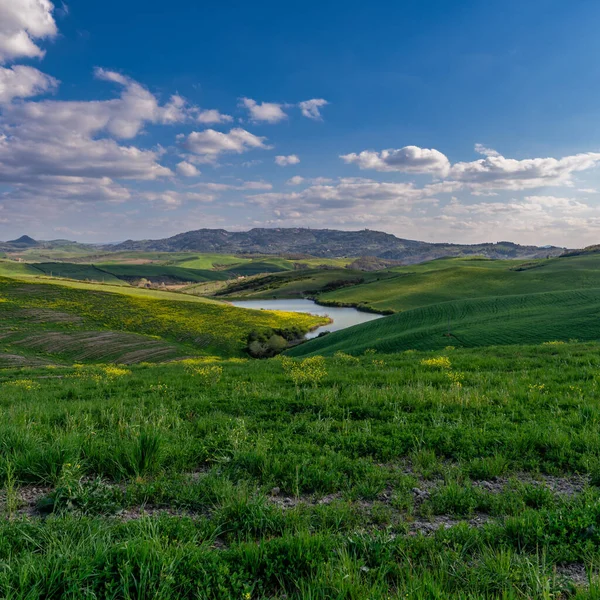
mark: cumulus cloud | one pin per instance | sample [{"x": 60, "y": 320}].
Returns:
[
  {"x": 268, "y": 112},
  {"x": 187, "y": 170},
  {"x": 212, "y": 117},
  {"x": 410, "y": 159},
  {"x": 125, "y": 116},
  {"x": 243, "y": 185},
  {"x": 23, "y": 82},
  {"x": 209, "y": 144},
  {"x": 497, "y": 172},
  {"x": 355, "y": 195},
  {"x": 311, "y": 108},
  {"x": 482, "y": 176},
  {"x": 296, "y": 180},
  {"x": 174, "y": 199},
  {"x": 285, "y": 161},
  {"x": 61, "y": 150},
  {"x": 22, "y": 22}
]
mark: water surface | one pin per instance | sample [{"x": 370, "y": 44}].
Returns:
[{"x": 341, "y": 317}]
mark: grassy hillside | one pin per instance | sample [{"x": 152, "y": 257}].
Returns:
[
  {"x": 453, "y": 279},
  {"x": 162, "y": 273},
  {"x": 78, "y": 322},
  {"x": 531, "y": 318},
  {"x": 462, "y": 475},
  {"x": 297, "y": 284}
]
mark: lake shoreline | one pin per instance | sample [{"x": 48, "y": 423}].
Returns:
[{"x": 339, "y": 317}]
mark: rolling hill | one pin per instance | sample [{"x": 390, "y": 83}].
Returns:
[
  {"x": 502, "y": 320},
  {"x": 66, "y": 320}
]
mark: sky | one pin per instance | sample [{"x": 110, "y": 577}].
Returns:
[{"x": 442, "y": 121}]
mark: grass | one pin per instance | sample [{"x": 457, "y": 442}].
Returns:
[
  {"x": 298, "y": 284},
  {"x": 530, "y": 318},
  {"x": 453, "y": 279},
  {"x": 233, "y": 479},
  {"x": 75, "y": 321}
]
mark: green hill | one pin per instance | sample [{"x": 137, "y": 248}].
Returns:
[
  {"x": 95, "y": 323},
  {"x": 531, "y": 319},
  {"x": 446, "y": 280}
]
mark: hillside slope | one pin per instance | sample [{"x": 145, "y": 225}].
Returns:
[
  {"x": 77, "y": 322},
  {"x": 531, "y": 319},
  {"x": 454, "y": 279}
]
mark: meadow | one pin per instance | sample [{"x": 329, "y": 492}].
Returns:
[
  {"x": 58, "y": 321},
  {"x": 449, "y": 451},
  {"x": 448, "y": 474}
]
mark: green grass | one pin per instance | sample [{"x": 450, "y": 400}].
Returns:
[
  {"x": 9, "y": 268},
  {"x": 161, "y": 273},
  {"x": 85, "y": 272},
  {"x": 531, "y": 318},
  {"x": 298, "y": 284},
  {"x": 85, "y": 322},
  {"x": 207, "y": 442},
  {"x": 453, "y": 279}
]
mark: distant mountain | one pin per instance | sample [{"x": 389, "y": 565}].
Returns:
[
  {"x": 328, "y": 243},
  {"x": 24, "y": 241}
]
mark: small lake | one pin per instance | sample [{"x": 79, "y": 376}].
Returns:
[{"x": 341, "y": 317}]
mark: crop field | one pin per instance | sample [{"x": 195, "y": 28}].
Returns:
[
  {"x": 78, "y": 322},
  {"x": 452, "y": 279},
  {"x": 449, "y": 474},
  {"x": 85, "y": 272},
  {"x": 530, "y": 318},
  {"x": 297, "y": 284},
  {"x": 162, "y": 273}
]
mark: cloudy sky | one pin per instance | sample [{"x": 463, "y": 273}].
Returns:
[{"x": 443, "y": 121}]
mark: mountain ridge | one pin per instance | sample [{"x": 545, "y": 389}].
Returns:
[{"x": 329, "y": 243}]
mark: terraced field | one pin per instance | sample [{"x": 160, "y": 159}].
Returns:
[
  {"x": 65, "y": 320},
  {"x": 530, "y": 318}
]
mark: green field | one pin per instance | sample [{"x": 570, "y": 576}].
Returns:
[
  {"x": 525, "y": 319},
  {"x": 68, "y": 321},
  {"x": 298, "y": 284},
  {"x": 460, "y": 474},
  {"x": 451, "y": 279},
  {"x": 448, "y": 451}
]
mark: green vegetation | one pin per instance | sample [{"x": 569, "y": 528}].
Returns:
[
  {"x": 430, "y": 454},
  {"x": 455, "y": 474},
  {"x": 73, "y": 321},
  {"x": 452, "y": 279},
  {"x": 298, "y": 284},
  {"x": 531, "y": 318}
]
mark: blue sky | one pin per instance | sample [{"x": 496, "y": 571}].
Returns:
[{"x": 442, "y": 121}]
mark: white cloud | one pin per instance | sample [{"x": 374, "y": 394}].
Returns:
[
  {"x": 210, "y": 143},
  {"x": 174, "y": 199},
  {"x": 187, "y": 170},
  {"x": 244, "y": 185},
  {"x": 125, "y": 116},
  {"x": 268, "y": 112},
  {"x": 212, "y": 117},
  {"x": 22, "y": 22},
  {"x": 481, "y": 149},
  {"x": 353, "y": 195},
  {"x": 496, "y": 172},
  {"x": 296, "y": 180},
  {"x": 410, "y": 159},
  {"x": 285, "y": 161},
  {"x": 23, "y": 82},
  {"x": 311, "y": 108}
]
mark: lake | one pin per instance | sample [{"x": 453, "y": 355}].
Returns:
[{"x": 342, "y": 317}]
